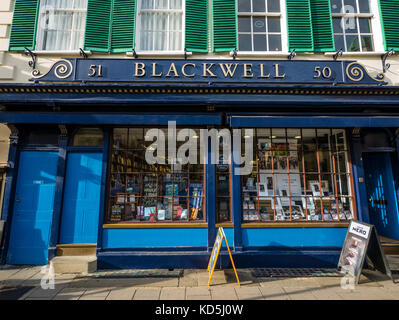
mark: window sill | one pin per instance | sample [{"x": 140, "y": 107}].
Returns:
[
  {"x": 159, "y": 53},
  {"x": 260, "y": 54},
  {"x": 353, "y": 54},
  {"x": 61, "y": 52},
  {"x": 304, "y": 224},
  {"x": 155, "y": 225}
]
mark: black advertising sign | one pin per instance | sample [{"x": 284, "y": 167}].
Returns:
[
  {"x": 208, "y": 71},
  {"x": 362, "y": 242}
]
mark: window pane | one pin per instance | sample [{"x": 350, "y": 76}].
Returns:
[
  {"x": 175, "y": 4},
  {"x": 350, "y": 25},
  {"x": 364, "y": 6},
  {"x": 258, "y": 5},
  {"x": 244, "y": 24},
  {"x": 339, "y": 42},
  {"x": 352, "y": 43},
  {"x": 273, "y": 24},
  {"x": 260, "y": 42},
  {"x": 273, "y": 5},
  {"x": 364, "y": 25},
  {"x": 367, "y": 43},
  {"x": 336, "y": 6},
  {"x": 88, "y": 137},
  {"x": 244, "y": 42},
  {"x": 259, "y": 25},
  {"x": 337, "y": 25},
  {"x": 244, "y": 6},
  {"x": 161, "y": 4},
  {"x": 350, "y": 6},
  {"x": 274, "y": 42}
]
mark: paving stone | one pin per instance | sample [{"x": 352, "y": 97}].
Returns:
[
  {"x": 198, "y": 293},
  {"x": 19, "y": 277},
  {"x": 69, "y": 294},
  {"x": 45, "y": 293},
  {"x": 218, "y": 277},
  {"x": 6, "y": 273},
  {"x": 326, "y": 294},
  {"x": 125, "y": 282},
  {"x": 121, "y": 294},
  {"x": 249, "y": 293},
  {"x": 147, "y": 294},
  {"x": 223, "y": 293},
  {"x": 95, "y": 294},
  {"x": 173, "y": 293},
  {"x": 273, "y": 293},
  {"x": 297, "y": 293}
]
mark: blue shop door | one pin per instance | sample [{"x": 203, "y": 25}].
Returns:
[
  {"x": 33, "y": 208},
  {"x": 81, "y": 203},
  {"x": 381, "y": 196}
]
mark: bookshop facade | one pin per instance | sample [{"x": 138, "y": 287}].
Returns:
[{"x": 124, "y": 163}]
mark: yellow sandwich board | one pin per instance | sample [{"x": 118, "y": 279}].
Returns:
[{"x": 215, "y": 252}]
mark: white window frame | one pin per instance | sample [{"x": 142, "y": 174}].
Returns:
[
  {"x": 376, "y": 30},
  {"x": 138, "y": 29},
  {"x": 40, "y": 31},
  {"x": 283, "y": 29}
]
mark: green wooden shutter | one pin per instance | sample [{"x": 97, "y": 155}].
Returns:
[
  {"x": 299, "y": 23},
  {"x": 389, "y": 10},
  {"x": 196, "y": 25},
  {"x": 123, "y": 25},
  {"x": 323, "y": 36},
  {"x": 23, "y": 29},
  {"x": 97, "y": 35},
  {"x": 224, "y": 25}
]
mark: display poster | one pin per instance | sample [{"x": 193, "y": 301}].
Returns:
[
  {"x": 195, "y": 202},
  {"x": 215, "y": 253},
  {"x": 362, "y": 241},
  {"x": 150, "y": 189},
  {"x": 171, "y": 189}
]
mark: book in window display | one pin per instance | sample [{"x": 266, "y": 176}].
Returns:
[{"x": 195, "y": 201}]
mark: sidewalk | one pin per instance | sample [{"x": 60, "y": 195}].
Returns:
[{"x": 193, "y": 286}]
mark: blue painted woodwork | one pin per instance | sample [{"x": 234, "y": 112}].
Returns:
[
  {"x": 219, "y": 71},
  {"x": 313, "y": 121},
  {"x": 358, "y": 179},
  {"x": 179, "y": 237},
  {"x": 229, "y": 232},
  {"x": 62, "y": 143},
  {"x": 210, "y": 196},
  {"x": 9, "y": 192},
  {"x": 382, "y": 200},
  {"x": 299, "y": 257},
  {"x": 236, "y": 201},
  {"x": 103, "y": 195},
  {"x": 293, "y": 237},
  {"x": 33, "y": 209},
  {"x": 111, "y": 119},
  {"x": 81, "y": 203}
]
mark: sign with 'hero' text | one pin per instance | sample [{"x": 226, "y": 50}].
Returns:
[{"x": 208, "y": 71}]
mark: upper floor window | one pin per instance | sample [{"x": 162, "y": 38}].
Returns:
[
  {"x": 160, "y": 25},
  {"x": 61, "y": 24},
  {"x": 259, "y": 25},
  {"x": 352, "y": 23}
]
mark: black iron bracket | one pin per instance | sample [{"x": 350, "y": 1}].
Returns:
[
  {"x": 33, "y": 56},
  {"x": 83, "y": 53},
  {"x": 185, "y": 54},
  {"x": 338, "y": 54},
  {"x": 385, "y": 65},
  {"x": 135, "y": 54},
  {"x": 234, "y": 54},
  {"x": 292, "y": 54}
]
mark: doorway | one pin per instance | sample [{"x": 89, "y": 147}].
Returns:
[
  {"x": 81, "y": 202},
  {"x": 33, "y": 208},
  {"x": 381, "y": 195}
]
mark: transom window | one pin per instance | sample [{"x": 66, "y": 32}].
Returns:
[
  {"x": 352, "y": 25},
  {"x": 160, "y": 25},
  {"x": 61, "y": 24},
  {"x": 259, "y": 25}
]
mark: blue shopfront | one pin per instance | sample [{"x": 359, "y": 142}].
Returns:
[{"x": 322, "y": 153}]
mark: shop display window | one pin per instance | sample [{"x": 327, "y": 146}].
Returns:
[
  {"x": 298, "y": 175},
  {"x": 143, "y": 192}
]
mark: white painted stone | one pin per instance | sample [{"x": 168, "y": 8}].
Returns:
[
  {"x": 6, "y": 17},
  {"x": 5, "y": 5},
  {"x": 6, "y": 72},
  {"x": 74, "y": 264}
]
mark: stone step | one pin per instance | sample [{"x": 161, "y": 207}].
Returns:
[
  {"x": 74, "y": 264},
  {"x": 83, "y": 249}
]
